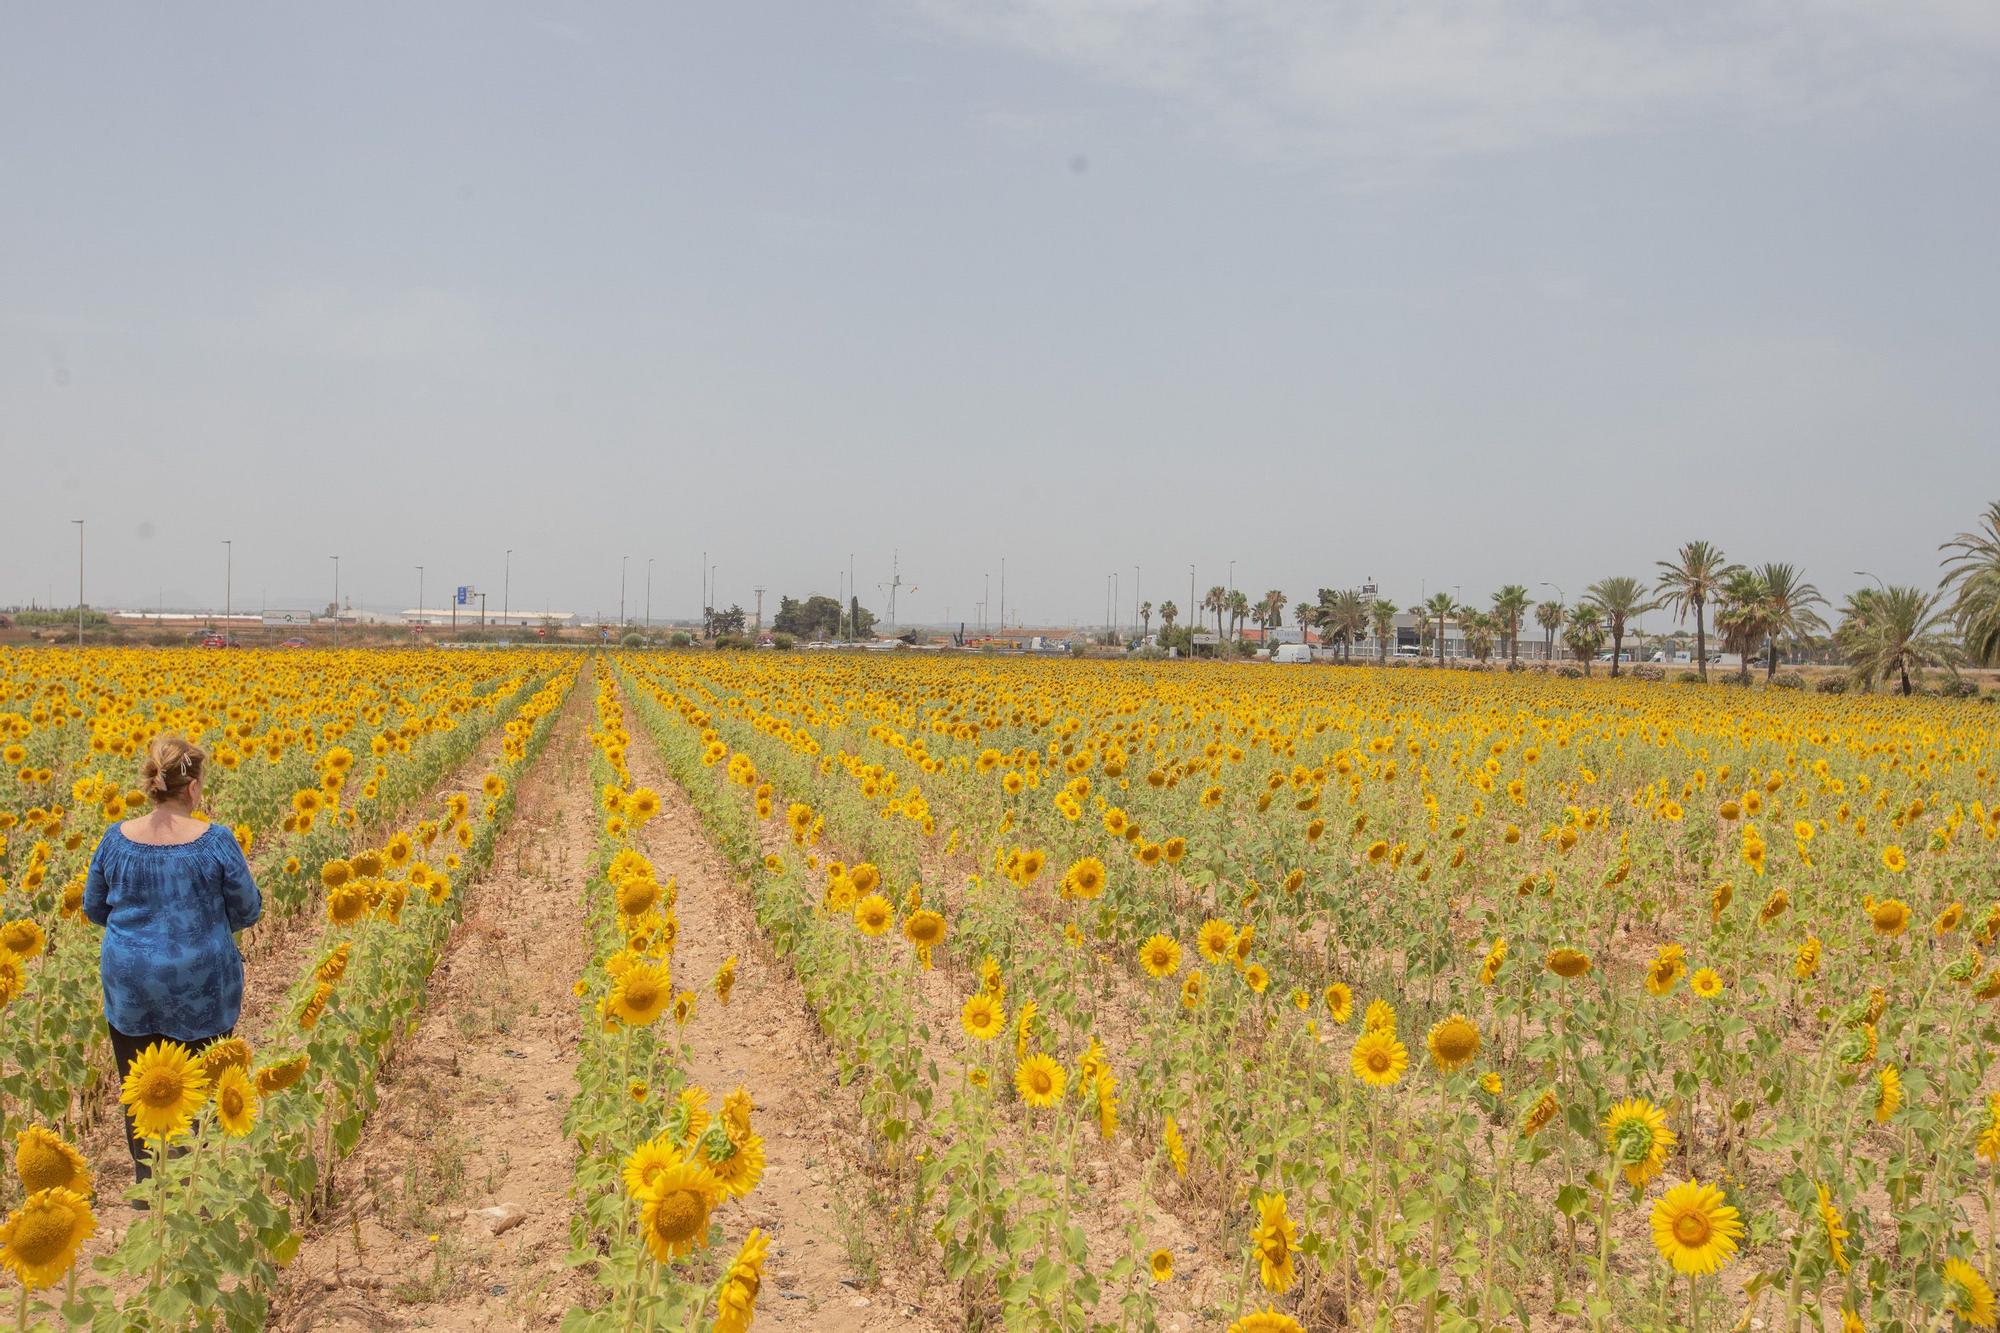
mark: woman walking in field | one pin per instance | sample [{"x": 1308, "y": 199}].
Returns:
[{"x": 170, "y": 891}]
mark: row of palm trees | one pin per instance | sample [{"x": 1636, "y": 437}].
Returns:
[{"x": 1884, "y": 634}]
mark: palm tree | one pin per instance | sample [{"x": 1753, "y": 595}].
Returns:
[
  {"x": 1619, "y": 599},
  {"x": 1351, "y": 614},
  {"x": 1976, "y": 571},
  {"x": 1585, "y": 634},
  {"x": 1690, "y": 579},
  {"x": 1895, "y": 631},
  {"x": 1479, "y": 630},
  {"x": 1218, "y": 602},
  {"x": 1439, "y": 608},
  {"x": 1145, "y": 619},
  {"x": 1509, "y": 605},
  {"x": 1743, "y": 614},
  {"x": 1789, "y": 600},
  {"x": 1169, "y": 613},
  {"x": 1383, "y": 615},
  {"x": 1239, "y": 611},
  {"x": 1549, "y": 615},
  {"x": 1271, "y": 612}
]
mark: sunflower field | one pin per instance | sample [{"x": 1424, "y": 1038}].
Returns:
[
  {"x": 1390, "y": 999},
  {"x": 361, "y": 785}
]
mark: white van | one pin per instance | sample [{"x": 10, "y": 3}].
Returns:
[{"x": 1292, "y": 652}]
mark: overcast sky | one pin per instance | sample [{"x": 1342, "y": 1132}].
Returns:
[{"x": 1446, "y": 295}]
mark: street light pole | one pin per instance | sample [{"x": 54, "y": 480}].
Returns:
[
  {"x": 79, "y": 581},
  {"x": 507, "y": 587},
  {"x": 621, "y": 592},
  {"x": 420, "y": 594},
  {"x": 228, "y": 584},
  {"x": 336, "y": 595},
  {"x": 1190, "y": 611},
  {"x": 649, "y": 592}
]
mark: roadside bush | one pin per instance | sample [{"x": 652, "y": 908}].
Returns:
[
  {"x": 1832, "y": 685},
  {"x": 733, "y": 642},
  {"x": 680, "y": 638},
  {"x": 1787, "y": 680},
  {"x": 783, "y": 642},
  {"x": 1691, "y": 678},
  {"x": 1958, "y": 687},
  {"x": 633, "y": 639},
  {"x": 1570, "y": 672},
  {"x": 1646, "y": 671}
]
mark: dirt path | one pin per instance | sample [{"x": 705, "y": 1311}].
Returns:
[
  {"x": 471, "y": 1111},
  {"x": 832, "y": 1268}
]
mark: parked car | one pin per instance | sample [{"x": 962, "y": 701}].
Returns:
[
  {"x": 1292, "y": 652},
  {"x": 293, "y": 643},
  {"x": 214, "y": 641}
]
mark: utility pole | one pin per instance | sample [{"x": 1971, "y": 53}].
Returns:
[
  {"x": 1114, "y": 603},
  {"x": 420, "y": 594},
  {"x": 705, "y": 603},
  {"x": 1135, "y": 594},
  {"x": 985, "y": 602},
  {"x": 336, "y": 595},
  {"x": 621, "y": 592},
  {"x": 79, "y": 581},
  {"x": 1003, "y": 594},
  {"x": 507, "y": 587},
  {"x": 649, "y": 592},
  {"x": 228, "y": 581},
  {"x": 760, "y": 611},
  {"x": 482, "y": 610},
  {"x": 1191, "y": 612}
]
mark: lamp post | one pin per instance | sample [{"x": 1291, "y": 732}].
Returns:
[
  {"x": 1878, "y": 580},
  {"x": 228, "y": 581},
  {"x": 1190, "y": 611},
  {"x": 336, "y": 595},
  {"x": 79, "y": 581},
  {"x": 507, "y": 586},
  {"x": 621, "y": 592},
  {"x": 420, "y": 594},
  {"x": 649, "y": 592}
]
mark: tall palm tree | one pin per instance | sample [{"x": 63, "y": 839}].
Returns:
[
  {"x": 1976, "y": 572},
  {"x": 1440, "y": 608},
  {"x": 1479, "y": 631},
  {"x": 1585, "y": 634},
  {"x": 1549, "y": 615},
  {"x": 1271, "y": 612},
  {"x": 1510, "y": 604},
  {"x": 1169, "y": 613},
  {"x": 1218, "y": 602},
  {"x": 1743, "y": 614},
  {"x": 1383, "y": 615},
  {"x": 1692, "y": 579},
  {"x": 1145, "y": 619},
  {"x": 1789, "y": 600},
  {"x": 1305, "y": 614},
  {"x": 1351, "y": 613},
  {"x": 1239, "y": 611},
  {"x": 1620, "y": 599},
  {"x": 1895, "y": 631}
]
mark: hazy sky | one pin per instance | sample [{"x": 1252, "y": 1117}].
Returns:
[{"x": 1446, "y": 294}]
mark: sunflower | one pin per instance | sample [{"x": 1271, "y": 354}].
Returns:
[
  {"x": 44, "y": 1161},
  {"x": 640, "y": 994},
  {"x": 725, "y": 979},
  {"x": 1636, "y": 1132},
  {"x": 1967, "y": 1295},
  {"x": 1893, "y": 860},
  {"x": 924, "y": 928},
  {"x": 1256, "y": 978},
  {"x": 1694, "y": 1229},
  {"x": 1495, "y": 957},
  {"x": 1215, "y": 940},
  {"x": 1666, "y": 969},
  {"x": 1836, "y": 1233},
  {"x": 1888, "y": 1094},
  {"x": 1039, "y": 1080},
  {"x": 1568, "y": 963},
  {"x": 1161, "y": 1264},
  {"x": 281, "y": 1075},
  {"x": 25, "y": 938},
  {"x": 1276, "y": 1239},
  {"x": 1339, "y": 1000},
  {"x": 1807, "y": 962},
  {"x": 739, "y": 1166},
  {"x": 1453, "y": 1042},
  {"x": 1267, "y": 1321},
  {"x": 163, "y": 1090},
  {"x": 40, "y": 1239},
  {"x": 736, "y": 1298},
  {"x": 647, "y": 1162},
  {"x": 1170, "y": 1138},
  {"x": 1540, "y": 1114},
  {"x": 1160, "y": 956},
  {"x": 983, "y": 1017},
  {"x": 1890, "y": 917},
  {"x": 1085, "y": 878},
  {"x": 1379, "y": 1059},
  {"x": 874, "y": 915},
  {"x": 335, "y": 873},
  {"x": 1706, "y": 983},
  {"x": 1192, "y": 987},
  {"x": 235, "y": 1102},
  {"x": 675, "y": 1219},
  {"x": 1380, "y": 1016}
]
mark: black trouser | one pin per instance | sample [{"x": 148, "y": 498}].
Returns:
[{"x": 128, "y": 1048}]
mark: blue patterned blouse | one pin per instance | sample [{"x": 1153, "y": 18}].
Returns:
[{"x": 169, "y": 913}]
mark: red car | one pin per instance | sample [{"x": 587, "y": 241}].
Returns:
[
  {"x": 215, "y": 641},
  {"x": 293, "y": 643}
]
